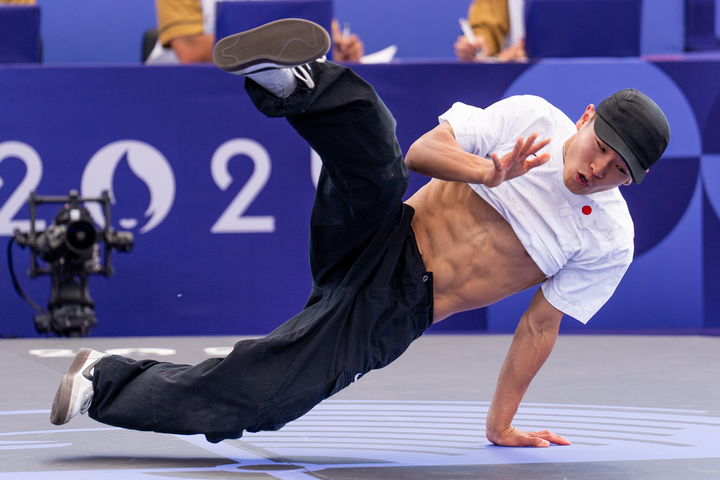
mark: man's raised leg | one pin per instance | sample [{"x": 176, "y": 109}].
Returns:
[
  {"x": 264, "y": 383},
  {"x": 341, "y": 117}
]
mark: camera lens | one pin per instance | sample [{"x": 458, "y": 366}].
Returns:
[{"x": 80, "y": 237}]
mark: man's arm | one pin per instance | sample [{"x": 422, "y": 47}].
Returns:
[
  {"x": 533, "y": 341},
  {"x": 437, "y": 154}
]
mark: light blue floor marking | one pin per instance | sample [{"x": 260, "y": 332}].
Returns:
[{"x": 396, "y": 433}]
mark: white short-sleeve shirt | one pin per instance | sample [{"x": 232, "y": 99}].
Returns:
[{"x": 582, "y": 243}]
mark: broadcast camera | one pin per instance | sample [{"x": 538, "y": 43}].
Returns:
[{"x": 70, "y": 249}]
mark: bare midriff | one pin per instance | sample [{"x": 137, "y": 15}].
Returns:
[{"x": 474, "y": 255}]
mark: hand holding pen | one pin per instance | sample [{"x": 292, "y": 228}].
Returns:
[
  {"x": 470, "y": 47},
  {"x": 346, "y": 46}
]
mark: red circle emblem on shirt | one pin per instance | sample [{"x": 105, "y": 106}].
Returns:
[{"x": 587, "y": 209}]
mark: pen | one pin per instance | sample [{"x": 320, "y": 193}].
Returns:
[{"x": 470, "y": 35}]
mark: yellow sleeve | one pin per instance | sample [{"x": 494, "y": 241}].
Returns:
[
  {"x": 19, "y": 2},
  {"x": 178, "y": 18},
  {"x": 490, "y": 19}
]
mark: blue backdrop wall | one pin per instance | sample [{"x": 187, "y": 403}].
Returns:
[{"x": 218, "y": 196}]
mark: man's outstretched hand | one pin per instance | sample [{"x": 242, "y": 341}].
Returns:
[
  {"x": 513, "y": 437},
  {"x": 518, "y": 162}
]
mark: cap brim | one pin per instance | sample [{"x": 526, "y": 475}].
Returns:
[{"x": 605, "y": 132}]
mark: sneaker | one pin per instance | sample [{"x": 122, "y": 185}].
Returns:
[
  {"x": 75, "y": 392},
  {"x": 284, "y": 43}
]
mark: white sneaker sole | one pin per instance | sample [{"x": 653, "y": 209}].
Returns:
[
  {"x": 283, "y": 43},
  {"x": 69, "y": 389}
]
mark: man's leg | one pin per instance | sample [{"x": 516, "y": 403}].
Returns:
[
  {"x": 360, "y": 239},
  {"x": 343, "y": 120},
  {"x": 266, "y": 382},
  {"x": 363, "y": 177}
]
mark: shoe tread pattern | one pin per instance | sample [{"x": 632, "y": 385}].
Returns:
[{"x": 286, "y": 43}]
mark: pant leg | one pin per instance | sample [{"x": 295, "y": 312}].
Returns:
[
  {"x": 367, "y": 304},
  {"x": 264, "y": 383},
  {"x": 364, "y": 175}
]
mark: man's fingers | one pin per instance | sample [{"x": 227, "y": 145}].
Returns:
[
  {"x": 536, "y": 147},
  {"x": 526, "y": 144},
  {"x": 548, "y": 436},
  {"x": 530, "y": 147},
  {"x": 525, "y": 147},
  {"x": 558, "y": 440},
  {"x": 520, "y": 160},
  {"x": 529, "y": 161},
  {"x": 531, "y": 139},
  {"x": 533, "y": 162},
  {"x": 512, "y": 437},
  {"x": 518, "y": 148},
  {"x": 497, "y": 161}
]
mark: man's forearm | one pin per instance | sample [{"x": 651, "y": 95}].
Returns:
[
  {"x": 532, "y": 343},
  {"x": 438, "y": 155}
]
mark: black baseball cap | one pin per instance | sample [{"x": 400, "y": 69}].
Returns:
[{"x": 633, "y": 125}]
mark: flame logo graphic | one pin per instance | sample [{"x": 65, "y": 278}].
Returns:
[{"x": 146, "y": 162}]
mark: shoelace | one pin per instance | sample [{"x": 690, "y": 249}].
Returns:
[{"x": 304, "y": 72}]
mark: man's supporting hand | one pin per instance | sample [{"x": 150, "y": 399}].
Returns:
[
  {"x": 532, "y": 343},
  {"x": 513, "y": 437}
]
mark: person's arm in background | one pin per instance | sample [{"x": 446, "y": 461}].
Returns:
[
  {"x": 180, "y": 27},
  {"x": 490, "y": 23},
  {"x": 194, "y": 49},
  {"x": 516, "y": 52},
  {"x": 346, "y": 48}
]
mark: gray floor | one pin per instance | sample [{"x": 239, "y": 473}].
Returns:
[{"x": 634, "y": 407}]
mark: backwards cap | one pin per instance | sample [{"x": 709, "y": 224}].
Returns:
[{"x": 633, "y": 125}]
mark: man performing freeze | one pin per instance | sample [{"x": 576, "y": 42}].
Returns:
[{"x": 520, "y": 196}]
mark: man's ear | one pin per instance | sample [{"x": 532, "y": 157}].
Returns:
[{"x": 586, "y": 116}]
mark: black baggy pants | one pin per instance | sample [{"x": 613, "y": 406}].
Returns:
[{"x": 371, "y": 295}]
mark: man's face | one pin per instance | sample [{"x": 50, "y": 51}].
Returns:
[{"x": 590, "y": 166}]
